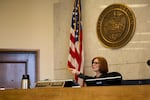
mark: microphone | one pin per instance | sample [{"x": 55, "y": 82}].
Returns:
[{"x": 148, "y": 62}]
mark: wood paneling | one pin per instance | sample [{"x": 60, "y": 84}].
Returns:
[
  {"x": 134, "y": 92},
  {"x": 13, "y": 64}
]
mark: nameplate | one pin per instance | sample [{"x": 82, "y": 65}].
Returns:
[{"x": 52, "y": 83}]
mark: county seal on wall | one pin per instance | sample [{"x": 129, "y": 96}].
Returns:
[{"x": 116, "y": 25}]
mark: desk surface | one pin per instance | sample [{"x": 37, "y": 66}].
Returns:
[{"x": 131, "y": 92}]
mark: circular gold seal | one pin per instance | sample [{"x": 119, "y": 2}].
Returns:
[{"x": 116, "y": 25}]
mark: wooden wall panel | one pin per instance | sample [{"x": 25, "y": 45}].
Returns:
[{"x": 134, "y": 92}]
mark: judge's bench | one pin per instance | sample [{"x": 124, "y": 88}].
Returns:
[
  {"x": 102, "y": 89},
  {"x": 118, "y": 92}
]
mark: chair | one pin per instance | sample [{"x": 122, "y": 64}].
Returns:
[{"x": 114, "y": 81}]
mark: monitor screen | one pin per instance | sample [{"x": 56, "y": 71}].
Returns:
[{"x": 104, "y": 81}]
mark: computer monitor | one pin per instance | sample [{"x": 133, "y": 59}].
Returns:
[
  {"x": 70, "y": 83},
  {"x": 116, "y": 80}
]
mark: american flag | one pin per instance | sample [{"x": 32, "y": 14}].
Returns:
[{"x": 76, "y": 59}]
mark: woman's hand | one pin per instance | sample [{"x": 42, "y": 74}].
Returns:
[{"x": 74, "y": 71}]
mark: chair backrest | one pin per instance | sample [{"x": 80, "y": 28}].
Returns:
[
  {"x": 115, "y": 81},
  {"x": 113, "y": 74}
]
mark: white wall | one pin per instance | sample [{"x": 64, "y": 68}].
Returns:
[
  {"x": 45, "y": 25},
  {"x": 28, "y": 24}
]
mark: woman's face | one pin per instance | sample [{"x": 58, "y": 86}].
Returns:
[{"x": 96, "y": 65}]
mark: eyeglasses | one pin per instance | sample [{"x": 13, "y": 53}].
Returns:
[{"x": 95, "y": 63}]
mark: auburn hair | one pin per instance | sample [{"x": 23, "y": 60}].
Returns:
[{"x": 103, "y": 68}]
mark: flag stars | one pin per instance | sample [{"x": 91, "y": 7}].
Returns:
[
  {"x": 76, "y": 36},
  {"x": 77, "y": 31},
  {"x": 76, "y": 13},
  {"x": 72, "y": 13},
  {"x": 76, "y": 8}
]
